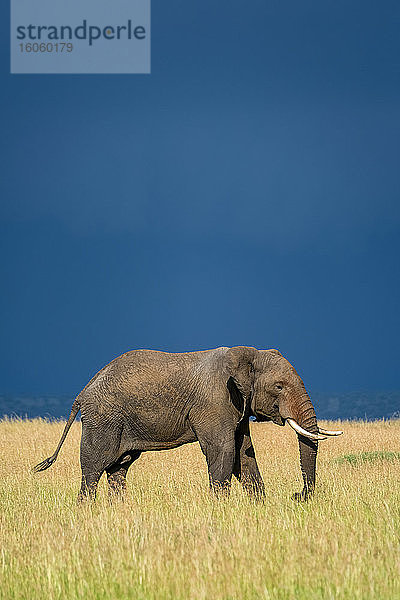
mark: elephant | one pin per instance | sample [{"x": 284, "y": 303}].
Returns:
[{"x": 152, "y": 400}]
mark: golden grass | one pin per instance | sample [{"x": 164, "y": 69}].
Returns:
[{"x": 171, "y": 540}]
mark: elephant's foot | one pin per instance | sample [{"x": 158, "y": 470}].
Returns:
[
  {"x": 254, "y": 488},
  {"x": 302, "y": 496},
  {"x": 220, "y": 489},
  {"x": 116, "y": 491},
  {"x": 87, "y": 495}
]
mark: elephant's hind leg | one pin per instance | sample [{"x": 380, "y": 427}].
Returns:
[
  {"x": 90, "y": 480},
  {"x": 116, "y": 474},
  {"x": 97, "y": 451}
]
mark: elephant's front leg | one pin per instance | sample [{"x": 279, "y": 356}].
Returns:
[
  {"x": 245, "y": 468},
  {"x": 220, "y": 455},
  {"x": 220, "y": 459}
]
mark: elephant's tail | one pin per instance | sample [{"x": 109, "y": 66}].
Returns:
[{"x": 49, "y": 461}]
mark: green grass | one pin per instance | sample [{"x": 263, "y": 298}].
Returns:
[
  {"x": 171, "y": 541},
  {"x": 367, "y": 457}
]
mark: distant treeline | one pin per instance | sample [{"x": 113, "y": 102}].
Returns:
[
  {"x": 357, "y": 405},
  {"x": 352, "y": 405}
]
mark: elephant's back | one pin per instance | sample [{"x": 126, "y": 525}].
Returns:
[{"x": 140, "y": 374}]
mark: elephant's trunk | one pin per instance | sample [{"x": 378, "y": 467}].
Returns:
[
  {"x": 305, "y": 417},
  {"x": 308, "y": 457}
]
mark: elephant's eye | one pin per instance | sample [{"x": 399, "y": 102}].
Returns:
[{"x": 279, "y": 387}]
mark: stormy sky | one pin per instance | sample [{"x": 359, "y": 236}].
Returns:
[{"x": 244, "y": 193}]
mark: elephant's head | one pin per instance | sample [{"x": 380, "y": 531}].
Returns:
[{"x": 278, "y": 394}]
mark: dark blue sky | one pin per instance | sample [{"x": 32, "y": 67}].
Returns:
[{"x": 246, "y": 192}]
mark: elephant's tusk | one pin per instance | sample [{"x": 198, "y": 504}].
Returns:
[
  {"x": 301, "y": 431},
  {"x": 327, "y": 432}
]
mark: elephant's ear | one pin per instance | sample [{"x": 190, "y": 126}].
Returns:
[{"x": 240, "y": 375}]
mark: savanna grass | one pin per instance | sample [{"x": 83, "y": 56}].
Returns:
[{"x": 170, "y": 540}]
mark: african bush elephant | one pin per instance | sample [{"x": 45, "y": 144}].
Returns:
[{"x": 151, "y": 400}]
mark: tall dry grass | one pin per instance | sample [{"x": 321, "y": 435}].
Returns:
[{"x": 171, "y": 540}]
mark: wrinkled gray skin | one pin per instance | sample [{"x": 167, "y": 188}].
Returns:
[{"x": 150, "y": 400}]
